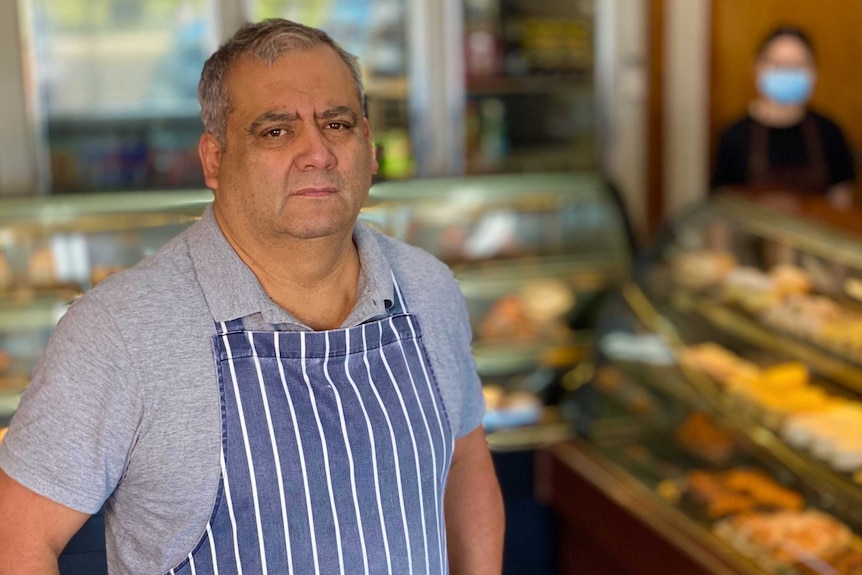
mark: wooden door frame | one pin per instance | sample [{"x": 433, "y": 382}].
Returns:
[{"x": 655, "y": 117}]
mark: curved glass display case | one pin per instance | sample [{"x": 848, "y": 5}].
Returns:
[
  {"x": 532, "y": 253},
  {"x": 53, "y": 248},
  {"x": 728, "y": 388}
]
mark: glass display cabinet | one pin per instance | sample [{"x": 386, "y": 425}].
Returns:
[
  {"x": 54, "y": 248},
  {"x": 533, "y": 254},
  {"x": 726, "y": 401}
]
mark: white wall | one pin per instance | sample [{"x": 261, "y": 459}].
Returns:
[
  {"x": 686, "y": 103},
  {"x": 622, "y": 76},
  {"x": 17, "y": 149},
  {"x": 622, "y": 50}
]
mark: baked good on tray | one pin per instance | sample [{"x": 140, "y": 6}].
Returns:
[
  {"x": 739, "y": 490},
  {"x": 701, "y": 269},
  {"x": 783, "y": 539}
]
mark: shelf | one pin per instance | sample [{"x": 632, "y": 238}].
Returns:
[
  {"x": 537, "y": 84},
  {"x": 148, "y": 114},
  {"x": 745, "y": 425},
  {"x": 8, "y": 404},
  {"x": 387, "y": 88},
  {"x": 739, "y": 325},
  {"x": 586, "y": 273},
  {"x": 86, "y": 213},
  {"x": 506, "y": 357},
  {"x": 587, "y": 187},
  {"x": 539, "y": 157},
  {"x": 20, "y": 314},
  {"x": 530, "y": 437},
  {"x": 814, "y": 237}
]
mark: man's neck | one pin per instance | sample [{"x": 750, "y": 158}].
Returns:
[{"x": 315, "y": 280}]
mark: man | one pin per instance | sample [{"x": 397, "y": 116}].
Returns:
[{"x": 279, "y": 389}]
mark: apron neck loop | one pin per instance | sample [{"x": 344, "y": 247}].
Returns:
[{"x": 398, "y": 306}]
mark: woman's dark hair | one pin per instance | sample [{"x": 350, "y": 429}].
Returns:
[{"x": 790, "y": 31}]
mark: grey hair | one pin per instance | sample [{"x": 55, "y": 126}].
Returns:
[{"x": 266, "y": 41}]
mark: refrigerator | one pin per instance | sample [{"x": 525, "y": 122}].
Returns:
[{"x": 453, "y": 87}]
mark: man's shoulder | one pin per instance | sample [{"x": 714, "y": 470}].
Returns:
[
  {"x": 427, "y": 283},
  {"x": 403, "y": 256},
  {"x": 156, "y": 284}
]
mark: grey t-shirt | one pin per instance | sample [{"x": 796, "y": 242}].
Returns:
[{"x": 124, "y": 405}]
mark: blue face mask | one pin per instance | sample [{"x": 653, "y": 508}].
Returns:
[{"x": 786, "y": 86}]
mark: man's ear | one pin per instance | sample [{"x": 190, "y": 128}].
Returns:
[
  {"x": 374, "y": 164},
  {"x": 210, "y": 152}
]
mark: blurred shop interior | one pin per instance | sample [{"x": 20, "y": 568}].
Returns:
[{"x": 673, "y": 376}]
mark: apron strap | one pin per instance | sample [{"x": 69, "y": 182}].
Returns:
[
  {"x": 758, "y": 155},
  {"x": 816, "y": 155},
  {"x": 398, "y": 306}
]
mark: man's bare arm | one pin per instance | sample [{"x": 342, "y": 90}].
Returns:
[
  {"x": 33, "y": 529},
  {"x": 474, "y": 509}
]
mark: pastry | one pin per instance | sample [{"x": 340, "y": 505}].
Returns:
[
  {"x": 699, "y": 436},
  {"x": 832, "y": 434},
  {"x": 701, "y": 269},
  {"x": 785, "y": 538},
  {"x": 41, "y": 272},
  {"x": 547, "y": 300},
  {"x": 507, "y": 319},
  {"x": 493, "y": 396},
  {"x": 848, "y": 563},
  {"x": 750, "y": 289},
  {"x": 739, "y": 491},
  {"x": 790, "y": 280},
  {"x": 846, "y": 454},
  {"x": 763, "y": 489},
  {"x": 717, "y": 362}
]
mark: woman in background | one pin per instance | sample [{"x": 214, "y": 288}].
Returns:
[{"x": 781, "y": 145}]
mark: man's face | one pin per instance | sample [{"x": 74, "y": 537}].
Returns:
[{"x": 298, "y": 158}]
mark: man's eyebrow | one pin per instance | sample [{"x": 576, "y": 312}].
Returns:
[
  {"x": 270, "y": 117},
  {"x": 337, "y": 112}
]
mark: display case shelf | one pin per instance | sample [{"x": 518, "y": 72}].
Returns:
[
  {"x": 740, "y": 325},
  {"x": 531, "y": 254},
  {"x": 697, "y": 391},
  {"x": 564, "y": 233}
]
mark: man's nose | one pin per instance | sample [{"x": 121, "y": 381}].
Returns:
[{"x": 314, "y": 150}]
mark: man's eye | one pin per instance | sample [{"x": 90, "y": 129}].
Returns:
[
  {"x": 274, "y": 133},
  {"x": 338, "y": 126}
]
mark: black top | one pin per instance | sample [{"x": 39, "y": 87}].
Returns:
[{"x": 786, "y": 148}]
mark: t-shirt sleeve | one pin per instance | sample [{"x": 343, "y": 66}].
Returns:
[
  {"x": 71, "y": 435},
  {"x": 473, "y": 405},
  {"x": 838, "y": 154}
]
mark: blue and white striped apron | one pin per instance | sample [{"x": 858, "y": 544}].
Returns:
[{"x": 335, "y": 452}]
